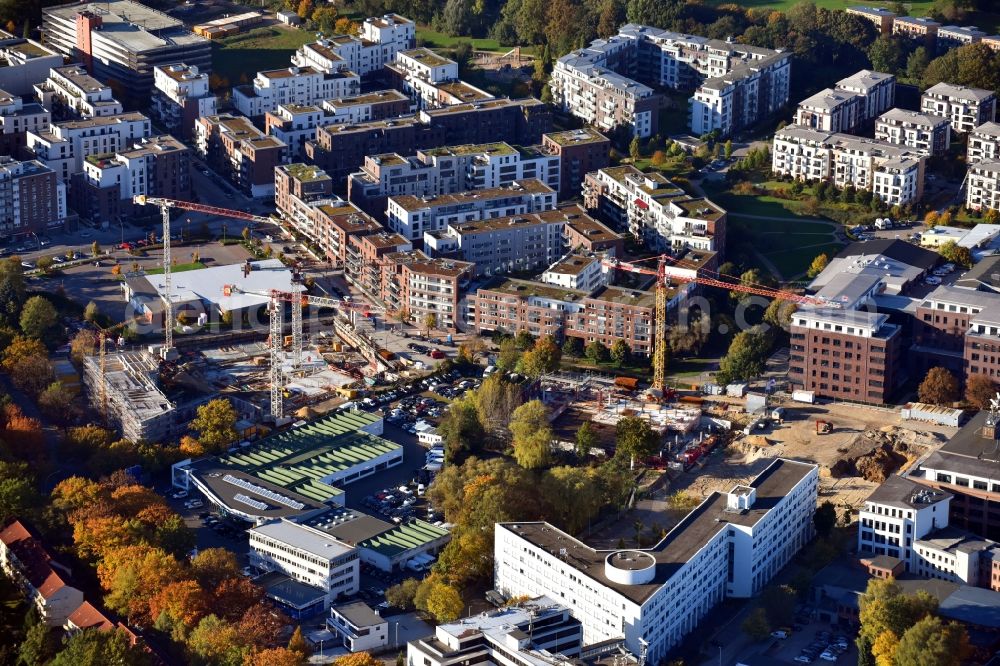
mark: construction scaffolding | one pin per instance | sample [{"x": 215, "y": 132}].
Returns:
[{"x": 134, "y": 402}]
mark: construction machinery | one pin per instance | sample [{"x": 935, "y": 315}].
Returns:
[
  {"x": 823, "y": 427},
  {"x": 669, "y": 268}
]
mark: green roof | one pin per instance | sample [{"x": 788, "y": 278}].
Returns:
[
  {"x": 404, "y": 537},
  {"x": 305, "y": 172}
]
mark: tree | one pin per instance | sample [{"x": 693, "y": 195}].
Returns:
[
  {"x": 818, "y": 265},
  {"x": 884, "y": 607},
  {"x": 91, "y": 647},
  {"x": 346, "y": 26},
  {"x": 574, "y": 496},
  {"x": 215, "y": 424},
  {"x": 461, "y": 430},
  {"x": 444, "y": 603},
  {"x": 532, "y": 435},
  {"x": 779, "y": 313},
  {"x": 430, "y": 321},
  {"x": 524, "y": 340},
  {"x": 979, "y": 390},
  {"x": 542, "y": 358},
  {"x": 931, "y": 642},
  {"x": 495, "y": 400},
  {"x": 133, "y": 575},
  {"x": 727, "y": 149},
  {"x": 27, "y": 362},
  {"x": 358, "y": 659},
  {"x": 38, "y": 317},
  {"x": 657, "y": 13},
  {"x": 211, "y": 566},
  {"x": 884, "y": 649},
  {"x": 658, "y": 159},
  {"x": 215, "y": 641},
  {"x": 12, "y": 290},
  {"x": 620, "y": 353},
  {"x": 745, "y": 358},
  {"x": 597, "y": 352},
  {"x": 825, "y": 518},
  {"x": 305, "y": 9},
  {"x": 944, "y": 219},
  {"x": 916, "y": 64},
  {"x": 778, "y": 601},
  {"x": 634, "y": 148},
  {"x": 278, "y": 656},
  {"x": 297, "y": 643},
  {"x": 38, "y": 644},
  {"x": 586, "y": 439},
  {"x": 18, "y": 496},
  {"x": 886, "y": 54},
  {"x": 634, "y": 438},
  {"x": 939, "y": 387},
  {"x": 572, "y": 347},
  {"x": 182, "y": 603},
  {"x": 755, "y": 625},
  {"x": 402, "y": 594},
  {"x": 956, "y": 254},
  {"x": 931, "y": 218},
  {"x": 325, "y": 19},
  {"x": 56, "y": 403},
  {"x": 508, "y": 356},
  {"x": 91, "y": 312},
  {"x": 44, "y": 264}
]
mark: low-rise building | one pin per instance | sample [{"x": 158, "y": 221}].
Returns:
[
  {"x": 982, "y": 188},
  {"x": 293, "y": 85},
  {"x": 929, "y": 135},
  {"x": 580, "y": 151},
  {"x": 965, "y": 108},
  {"x": 181, "y": 95},
  {"x": 358, "y": 627},
  {"x": 916, "y": 27},
  {"x": 581, "y": 272},
  {"x": 587, "y": 234},
  {"x": 70, "y": 91},
  {"x": 881, "y": 17},
  {"x": 984, "y": 144},
  {"x": 953, "y": 36},
  {"x": 237, "y": 149},
  {"x": 898, "y": 514},
  {"x": 44, "y": 581}
]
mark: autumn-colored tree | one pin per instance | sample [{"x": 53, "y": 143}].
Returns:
[
  {"x": 297, "y": 643},
  {"x": 325, "y": 19},
  {"x": 884, "y": 648},
  {"x": 84, "y": 343},
  {"x": 305, "y": 9},
  {"x": 345, "y": 26},
  {"x": 134, "y": 575},
  {"x": 23, "y": 434},
  {"x": 931, "y": 218},
  {"x": 532, "y": 435},
  {"x": 357, "y": 659},
  {"x": 56, "y": 403},
  {"x": 979, "y": 390},
  {"x": 27, "y": 362},
  {"x": 183, "y": 602},
  {"x": 191, "y": 447},
  {"x": 215, "y": 424},
  {"x": 939, "y": 387},
  {"x": 543, "y": 357},
  {"x": 211, "y": 566},
  {"x": 75, "y": 493},
  {"x": 818, "y": 265},
  {"x": 216, "y": 641},
  {"x": 278, "y": 656},
  {"x": 234, "y": 596},
  {"x": 658, "y": 159},
  {"x": 261, "y": 624}
]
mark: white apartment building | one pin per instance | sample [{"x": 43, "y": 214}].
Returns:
[
  {"x": 380, "y": 39},
  {"x": 412, "y": 217},
  {"x": 929, "y": 135},
  {"x": 134, "y": 169},
  {"x": 432, "y": 80},
  {"x": 18, "y": 118},
  {"x": 308, "y": 555},
  {"x": 953, "y": 36},
  {"x": 965, "y": 108},
  {"x": 577, "y": 271},
  {"x": 984, "y": 144},
  {"x": 358, "y": 627},
  {"x": 655, "y": 210},
  {"x": 366, "y": 107},
  {"x": 731, "y": 545},
  {"x": 293, "y": 125},
  {"x": 72, "y": 90},
  {"x": 65, "y": 145},
  {"x": 830, "y": 110},
  {"x": 293, "y": 85},
  {"x": 982, "y": 187},
  {"x": 877, "y": 89},
  {"x": 422, "y": 63},
  {"x": 181, "y": 95}
]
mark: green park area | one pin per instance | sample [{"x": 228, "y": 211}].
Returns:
[
  {"x": 915, "y": 8},
  {"x": 238, "y": 58}
]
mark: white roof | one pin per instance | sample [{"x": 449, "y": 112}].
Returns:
[
  {"x": 981, "y": 233},
  {"x": 207, "y": 284},
  {"x": 303, "y": 538}
]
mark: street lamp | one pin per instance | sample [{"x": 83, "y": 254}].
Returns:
[{"x": 223, "y": 233}]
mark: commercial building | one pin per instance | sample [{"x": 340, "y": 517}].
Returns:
[
  {"x": 984, "y": 144},
  {"x": 231, "y": 24},
  {"x": 882, "y": 18},
  {"x": 983, "y": 186},
  {"x": 943, "y": 331},
  {"x": 413, "y": 217},
  {"x": 965, "y": 108},
  {"x": 579, "y": 151},
  {"x": 928, "y": 135},
  {"x": 23, "y": 63},
  {"x": 180, "y": 97},
  {"x": 897, "y": 515},
  {"x": 916, "y": 27},
  {"x": 293, "y": 85},
  {"x": 654, "y": 210},
  {"x": 237, "y": 149},
  {"x": 380, "y": 39},
  {"x": 731, "y": 545},
  {"x": 71, "y": 92},
  {"x": 121, "y": 41},
  {"x": 953, "y": 36},
  {"x": 535, "y": 632},
  {"x": 32, "y": 199},
  {"x": 17, "y": 119},
  {"x": 65, "y": 146},
  {"x": 43, "y": 581},
  {"x": 358, "y": 627},
  {"x": 894, "y": 173}
]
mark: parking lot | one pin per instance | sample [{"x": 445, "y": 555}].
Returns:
[{"x": 814, "y": 642}]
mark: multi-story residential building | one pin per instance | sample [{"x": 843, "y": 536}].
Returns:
[
  {"x": 582, "y": 272},
  {"x": 413, "y": 282},
  {"x": 916, "y": 27},
  {"x": 159, "y": 166},
  {"x": 368, "y": 257},
  {"x": 653, "y": 209},
  {"x": 70, "y": 92},
  {"x": 180, "y": 97},
  {"x": 881, "y": 17},
  {"x": 983, "y": 186},
  {"x": 984, "y": 144},
  {"x": 845, "y": 354},
  {"x": 942, "y": 323},
  {"x": 358, "y": 627},
  {"x": 337, "y": 225},
  {"x": 296, "y": 187},
  {"x": 380, "y": 39},
  {"x": 579, "y": 151},
  {"x": 307, "y": 555},
  {"x": 121, "y": 41},
  {"x": 446, "y": 170},
  {"x": 23, "y": 63},
  {"x": 240, "y": 151},
  {"x": 877, "y": 90},
  {"x": 366, "y": 107},
  {"x": 293, "y": 125},
  {"x": 965, "y": 108},
  {"x": 44, "y": 581},
  {"x": 587, "y": 234},
  {"x": 418, "y": 72},
  {"x": 830, "y": 110},
  {"x": 894, "y": 173},
  {"x": 616, "y": 313},
  {"x": 340, "y": 149},
  {"x": 952, "y": 36},
  {"x": 17, "y": 119},
  {"x": 65, "y": 146},
  {"x": 293, "y": 85},
  {"x": 521, "y": 305},
  {"x": 32, "y": 198},
  {"x": 897, "y": 515},
  {"x": 730, "y": 546},
  {"x": 535, "y": 632},
  {"x": 929, "y": 135},
  {"x": 414, "y": 216}
]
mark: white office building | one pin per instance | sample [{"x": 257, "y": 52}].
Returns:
[{"x": 731, "y": 545}]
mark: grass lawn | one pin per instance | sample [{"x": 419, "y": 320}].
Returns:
[
  {"x": 178, "y": 268},
  {"x": 438, "y": 40},
  {"x": 690, "y": 367},
  {"x": 260, "y": 49},
  {"x": 643, "y": 371}
]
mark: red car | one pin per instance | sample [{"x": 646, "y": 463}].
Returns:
[{"x": 437, "y": 354}]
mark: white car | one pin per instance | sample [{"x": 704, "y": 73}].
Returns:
[
  {"x": 828, "y": 656},
  {"x": 932, "y": 280}
]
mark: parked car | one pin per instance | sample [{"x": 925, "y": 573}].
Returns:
[{"x": 436, "y": 354}]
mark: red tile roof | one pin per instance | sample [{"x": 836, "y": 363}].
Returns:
[
  {"x": 34, "y": 560},
  {"x": 88, "y": 617}
]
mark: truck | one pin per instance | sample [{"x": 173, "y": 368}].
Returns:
[{"x": 804, "y": 396}]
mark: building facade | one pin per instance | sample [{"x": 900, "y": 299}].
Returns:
[
  {"x": 180, "y": 97},
  {"x": 380, "y": 39},
  {"x": 70, "y": 92},
  {"x": 32, "y": 199},
  {"x": 65, "y": 146},
  {"x": 965, "y": 108},
  {"x": 928, "y": 135},
  {"x": 237, "y": 149}
]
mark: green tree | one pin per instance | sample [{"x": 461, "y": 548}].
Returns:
[
  {"x": 573, "y": 496},
  {"x": 756, "y": 626},
  {"x": 572, "y": 347},
  {"x": 444, "y": 603},
  {"x": 597, "y": 352},
  {"x": 38, "y": 645},
  {"x": 818, "y": 265},
  {"x": 12, "y": 290},
  {"x": 215, "y": 424},
  {"x": 634, "y": 148},
  {"x": 532, "y": 435},
  {"x": 508, "y": 356},
  {"x": 461, "y": 430},
  {"x": 887, "y": 54},
  {"x": 825, "y": 518},
  {"x": 402, "y": 594},
  {"x": 56, "y": 403},
  {"x": 325, "y": 19},
  {"x": 657, "y": 13},
  {"x": 939, "y": 387},
  {"x": 91, "y": 312},
  {"x": 92, "y": 647},
  {"x": 778, "y": 602},
  {"x": 44, "y": 264},
  {"x": 620, "y": 353},
  {"x": 634, "y": 438},
  {"x": 586, "y": 439},
  {"x": 544, "y": 357},
  {"x": 884, "y": 607},
  {"x": 745, "y": 358},
  {"x": 524, "y": 340},
  {"x": 495, "y": 400},
  {"x": 931, "y": 642},
  {"x": 18, "y": 496},
  {"x": 727, "y": 149},
  {"x": 38, "y": 317},
  {"x": 956, "y": 254}
]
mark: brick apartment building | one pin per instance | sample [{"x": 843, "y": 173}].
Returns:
[
  {"x": 580, "y": 151},
  {"x": 367, "y": 257},
  {"x": 32, "y": 198},
  {"x": 951, "y": 330},
  {"x": 507, "y": 304},
  {"x": 587, "y": 234},
  {"x": 233, "y": 146},
  {"x": 424, "y": 286}
]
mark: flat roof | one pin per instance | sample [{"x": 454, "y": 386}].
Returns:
[
  {"x": 306, "y": 173},
  {"x": 303, "y": 538},
  {"x": 576, "y": 137},
  {"x": 403, "y": 537},
  {"x": 531, "y": 288},
  {"x": 573, "y": 264},
  {"x": 520, "y": 187},
  {"x": 208, "y": 284},
  {"x": 496, "y": 148},
  {"x": 374, "y": 97},
  {"x": 426, "y": 57},
  {"x": 134, "y": 26},
  {"x": 359, "y": 614},
  {"x": 901, "y": 492},
  {"x": 348, "y": 526},
  {"x": 625, "y": 296}
]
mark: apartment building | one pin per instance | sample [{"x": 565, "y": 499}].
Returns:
[
  {"x": 121, "y": 42},
  {"x": 894, "y": 173},
  {"x": 159, "y": 166},
  {"x": 617, "y": 313},
  {"x": 953, "y": 36},
  {"x": 830, "y": 110},
  {"x": 446, "y": 170},
  {"x": 340, "y": 149},
  {"x": 32, "y": 198},
  {"x": 44, "y": 581},
  {"x": 587, "y": 234},
  {"x": 293, "y": 125},
  {"x": 422, "y": 73},
  {"x": 845, "y": 354},
  {"x": 731, "y": 545},
  {"x": 70, "y": 92},
  {"x": 534, "y": 632},
  {"x": 307, "y": 555},
  {"x": 507, "y": 304},
  {"x": 582, "y": 272},
  {"x": 965, "y": 108},
  {"x": 580, "y": 152},
  {"x": 928, "y": 135},
  {"x": 181, "y": 95},
  {"x": 414, "y": 216},
  {"x": 376, "y": 46},
  {"x": 877, "y": 90},
  {"x": 882, "y": 18},
  {"x": 358, "y": 627},
  {"x": 368, "y": 257},
  {"x": 337, "y": 223},
  {"x": 984, "y": 144},
  {"x": 916, "y": 27},
  {"x": 23, "y": 63},
  {"x": 65, "y": 146},
  {"x": 17, "y": 119},
  {"x": 366, "y": 107},
  {"x": 943, "y": 322},
  {"x": 653, "y": 209},
  {"x": 237, "y": 149},
  {"x": 415, "y": 283},
  {"x": 983, "y": 186},
  {"x": 293, "y": 85}
]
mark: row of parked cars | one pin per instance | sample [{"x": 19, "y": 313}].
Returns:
[
  {"x": 939, "y": 273},
  {"x": 824, "y": 647},
  {"x": 395, "y": 504}
]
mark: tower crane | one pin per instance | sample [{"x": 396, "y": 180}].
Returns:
[
  {"x": 165, "y": 205},
  {"x": 683, "y": 273}
]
